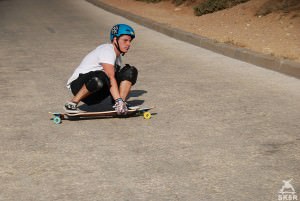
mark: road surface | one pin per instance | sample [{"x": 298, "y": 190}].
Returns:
[{"x": 223, "y": 129}]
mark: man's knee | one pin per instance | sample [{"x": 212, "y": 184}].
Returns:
[
  {"x": 129, "y": 73},
  {"x": 94, "y": 84}
]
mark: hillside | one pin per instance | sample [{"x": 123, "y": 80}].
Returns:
[{"x": 277, "y": 33}]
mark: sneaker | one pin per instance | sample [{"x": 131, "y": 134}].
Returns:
[
  {"x": 71, "y": 107},
  {"x": 131, "y": 107}
]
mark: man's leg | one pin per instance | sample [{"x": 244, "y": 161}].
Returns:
[
  {"x": 82, "y": 93},
  {"x": 71, "y": 106},
  {"x": 125, "y": 87},
  {"x": 127, "y": 78},
  {"x": 89, "y": 88}
]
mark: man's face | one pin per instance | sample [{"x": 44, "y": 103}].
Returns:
[{"x": 124, "y": 43}]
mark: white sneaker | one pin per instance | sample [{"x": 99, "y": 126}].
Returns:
[
  {"x": 131, "y": 107},
  {"x": 71, "y": 107}
]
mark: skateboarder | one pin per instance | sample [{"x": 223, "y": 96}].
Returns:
[{"x": 100, "y": 74}]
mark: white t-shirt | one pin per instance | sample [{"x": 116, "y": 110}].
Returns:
[{"x": 92, "y": 62}]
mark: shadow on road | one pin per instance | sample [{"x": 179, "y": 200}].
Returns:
[{"x": 106, "y": 104}]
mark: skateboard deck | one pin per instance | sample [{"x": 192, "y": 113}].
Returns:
[{"x": 57, "y": 117}]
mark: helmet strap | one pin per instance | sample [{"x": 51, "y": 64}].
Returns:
[{"x": 118, "y": 47}]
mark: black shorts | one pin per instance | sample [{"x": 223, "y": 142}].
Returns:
[{"x": 126, "y": 73}]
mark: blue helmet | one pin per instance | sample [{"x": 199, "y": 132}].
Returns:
[{"x": 121, "y": 29}]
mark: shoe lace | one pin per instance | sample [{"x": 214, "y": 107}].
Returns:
[{"x": 71, "y": 106}]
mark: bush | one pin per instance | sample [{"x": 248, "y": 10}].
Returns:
[
  {"x": 211, "y": 6},
  {"x": 178, "y": 2},
  {"x": 278, "y": 5}
]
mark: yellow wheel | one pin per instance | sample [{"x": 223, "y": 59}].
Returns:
[{"x": 147, "y": 115}]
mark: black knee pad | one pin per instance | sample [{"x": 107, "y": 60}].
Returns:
[
  {"x": 128, "y": 73},
  {"x": 94, "y": 84}
]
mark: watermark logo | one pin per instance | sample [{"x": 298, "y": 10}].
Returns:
[{"x": 287, "y": 192}]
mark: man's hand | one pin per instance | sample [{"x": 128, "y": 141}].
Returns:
[{"x": 120, "y": 107}]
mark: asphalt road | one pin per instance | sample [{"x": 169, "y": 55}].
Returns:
[{"x": 223, "y": 129}]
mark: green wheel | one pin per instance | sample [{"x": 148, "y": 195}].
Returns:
[{"x": 57, "y": 120}]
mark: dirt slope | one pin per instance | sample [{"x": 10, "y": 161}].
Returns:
[{"x": 277, "y": 34}]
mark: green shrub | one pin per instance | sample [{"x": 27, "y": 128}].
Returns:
[
  {"x": 211, "y": 6},
  {"x": 178, "y": 2},
  {"x": 278, "y": 5}
]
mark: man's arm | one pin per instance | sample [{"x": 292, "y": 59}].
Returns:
[
  {"x": 120, "y": 105},
  {"x": 110, "y": 72}
]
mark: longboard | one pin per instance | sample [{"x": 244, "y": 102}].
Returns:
[{"x": 57, "y": 117}]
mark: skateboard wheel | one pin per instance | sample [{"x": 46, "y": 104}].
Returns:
[
  {"x": 57, "y": 120},
  {"x": 147, "y": 115}
]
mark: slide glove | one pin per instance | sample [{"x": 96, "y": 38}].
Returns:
[{"x": 120, "y": 107}]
